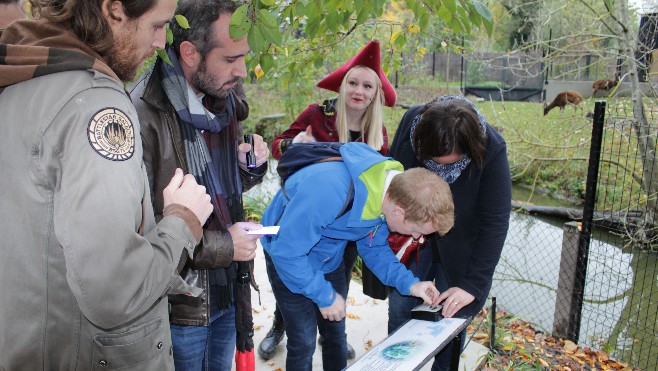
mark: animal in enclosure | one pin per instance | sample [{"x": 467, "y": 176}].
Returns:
[
  {"x": 604, "y": 85},
  {"x": 564, "y": 98}
]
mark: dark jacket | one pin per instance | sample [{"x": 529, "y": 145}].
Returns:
[
  {"x": 470, "y": 252},
  {"x": 163, "y": 153},
  {"x": 322, "y": 117}
]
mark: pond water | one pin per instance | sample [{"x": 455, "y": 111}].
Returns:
[
  {"x": 621, "y": 290},
  {"x": 526, "y": 195}
]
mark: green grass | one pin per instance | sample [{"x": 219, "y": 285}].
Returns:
[{"x": 550, "y": 151}]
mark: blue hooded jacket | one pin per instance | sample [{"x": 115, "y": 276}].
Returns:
[{"x": 311, "y": 241}]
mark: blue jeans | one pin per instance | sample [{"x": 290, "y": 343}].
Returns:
[
  {"x": 399, "y": 306},
  {"x": 303, "y": 320},
  {"x": 349, "y": 259},
  {"x": 205, "y": 347}
]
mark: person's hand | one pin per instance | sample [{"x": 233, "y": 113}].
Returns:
[
  {"x": 426, "y": 291},
  {"x": 336, "y": 311},
  {"x": 305, "y": 136},
  {"x": 184, "y": 190},
  {"x": 453, "y": 300},
  {"x": 261, "y": 151},
  {"x": 244, "y": 245}
]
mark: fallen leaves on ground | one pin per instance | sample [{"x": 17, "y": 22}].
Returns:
[{"x": 520, "y": 345}]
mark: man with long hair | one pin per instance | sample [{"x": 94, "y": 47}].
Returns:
[{"x": 86, "y": 269}]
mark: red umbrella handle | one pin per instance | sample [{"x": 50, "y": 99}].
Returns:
[{"x": 245, "y": 361}]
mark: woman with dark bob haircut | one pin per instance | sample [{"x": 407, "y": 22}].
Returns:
[{"x": 450, "y": 137}]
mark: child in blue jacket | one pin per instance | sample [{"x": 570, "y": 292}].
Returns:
[{"x": 304, "y": 260}]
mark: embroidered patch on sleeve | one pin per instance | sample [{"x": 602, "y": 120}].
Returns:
[{"x": 112, "y": 134}]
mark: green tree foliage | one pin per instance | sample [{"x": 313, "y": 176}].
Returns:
[
  {"x": 289, "y": 37},
  {"x": 519, "y": 27}
]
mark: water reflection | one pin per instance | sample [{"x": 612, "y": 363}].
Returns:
[
  {"x": 621, "y": 297},
  {"x": 524, "y": 194}
]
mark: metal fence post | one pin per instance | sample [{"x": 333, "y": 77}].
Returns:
[
  {"x": 588, "y": 213},
  {"x": 461, "y": 75},
  {"x": 492, "y": 335},
  {"x": 566, "y": 281}
]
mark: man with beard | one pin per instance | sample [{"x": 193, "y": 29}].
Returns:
[
  {"x": 190, "y": 111},
  {"x": 84, "y": 260}
]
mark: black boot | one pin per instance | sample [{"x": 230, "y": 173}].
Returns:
[
  {"x": 267, "y": 348},
  {"x": 350, "y": 351}
]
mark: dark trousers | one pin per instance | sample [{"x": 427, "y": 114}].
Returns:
[
  {"x": 303, "y": 320},
  {"x": 349, "y": 260}
]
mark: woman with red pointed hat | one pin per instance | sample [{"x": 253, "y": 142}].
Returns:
[{"x": 356, "y": 115}]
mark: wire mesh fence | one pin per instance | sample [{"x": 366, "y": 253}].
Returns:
[
  {"x": 582, "y": 66},
  {"x": 509, "y": 69},
  {"x": 622, "y": 313},
  {"x": 524, "y": 280},
  {"x": 603, "y": 291}
]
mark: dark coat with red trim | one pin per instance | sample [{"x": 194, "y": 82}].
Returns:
[
  {"x": 482, "y": 196},
  {"x": 322, "y": 118}
]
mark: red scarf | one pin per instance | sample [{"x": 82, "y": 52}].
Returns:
[{"x": 407, "y": 244}]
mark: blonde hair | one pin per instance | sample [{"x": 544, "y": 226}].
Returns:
[
  {"x": 373, "y": 119},
  {"x": 425, "y": 197}
]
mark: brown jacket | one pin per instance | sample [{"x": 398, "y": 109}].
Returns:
[{"x": 163, "y": 153}]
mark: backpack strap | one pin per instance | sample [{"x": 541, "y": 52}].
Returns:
[
  {"x": 335, "y": 158},
  {"x": 349, "y": 201}
]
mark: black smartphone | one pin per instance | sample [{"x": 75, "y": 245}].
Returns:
[{"x": 251, "y": 156}]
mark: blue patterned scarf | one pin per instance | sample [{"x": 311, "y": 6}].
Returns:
[
  {"x": 449, "y": 172},
  {"x": 210, "y": 138},
  {"x": 186, "y": 103},
  {"x": 210, "y": 142}
]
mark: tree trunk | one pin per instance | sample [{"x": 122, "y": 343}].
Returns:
[{"x": 645, "y": 138}]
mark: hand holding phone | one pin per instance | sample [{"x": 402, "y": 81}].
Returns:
[{"x": 251, "y": 156}]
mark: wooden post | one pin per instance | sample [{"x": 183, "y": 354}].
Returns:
[{"x": 566, "y": 281}]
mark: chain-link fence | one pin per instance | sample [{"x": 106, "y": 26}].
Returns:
[
  {"x": 510, "y": 69},
  {"x": 595, "y": 282},
  {"x": 442, "y": 66},
  {"x": 580, "y": 66},
  {"x": 622, "y": 282},
  {"x": 495, "y": 69}
]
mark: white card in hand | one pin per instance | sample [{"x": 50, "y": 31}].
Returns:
[{"x": 265, "y": 230}]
